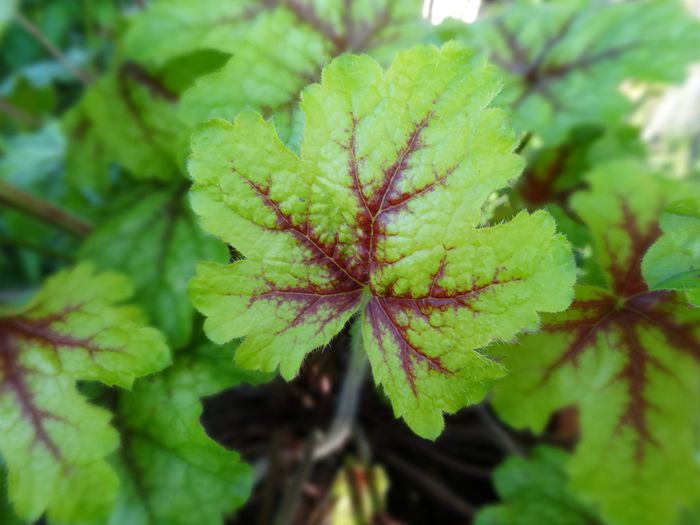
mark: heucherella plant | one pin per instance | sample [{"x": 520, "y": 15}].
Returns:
[
  {"x": 53, "y": 441},
  {"x": 379, "y": 214},
  {"x": 277, "y": 47},
  {"x": 626, "y": 353},
  {"x": 564, "y": 61}
]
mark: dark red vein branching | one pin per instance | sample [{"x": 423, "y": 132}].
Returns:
[
  {"x": 365, "y": 216},
  {"x": 627, "y": 275},
  {"x": 13, "y": 379},
  {"x": 380, "y": 314},
  {"x": 345, "y": 272},
  {"x": 312, "y": 302},
  {"x": 40, "y": 332},
  {"x": 597, "y": 317},
  {"x": 394, "y": 173},
  {"x": 535, "y": 72},
  {"x": 628, "y": 308},
  {"x": 635, "y": 375}
]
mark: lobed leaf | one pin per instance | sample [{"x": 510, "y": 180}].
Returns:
[
  {"x": 627, "y": 355},
  {"x": 565, "y": 61},
  {"x": 52, "y": 440},
  {"x": 378, "y": 214}
]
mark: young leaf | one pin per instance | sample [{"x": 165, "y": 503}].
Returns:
[
  {"x": 378, "y": 214},
  {"x": 673, "y": 263},
  {"x": 285, "y": 48},
  {"x": 154, "y": 240},
  {"x": 566, "y": 60},
  {"x": 627, "y": 355},
  {"x": 171, "y": 472},
  {"x": 52, "y": 440},
  {"x": 535, "y": 492}
]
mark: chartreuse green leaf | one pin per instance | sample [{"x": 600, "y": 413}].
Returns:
[
  {"x": 378, "y": 215},
  {"x": 154, "y": 239},
  {"x": 565, "y": 61},
  {"x": 171, "y": 472},
  {"x": 673, "y": 263},
  {"x": 286, "y": 44},
  {"x": 535, "y": 491},
  {"x": 627, "y": 355},
  {"x": 52, "y": 440}
]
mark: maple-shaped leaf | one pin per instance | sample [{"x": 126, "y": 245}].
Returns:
[
  {"x": 153, "y": 238},
  {"x": 52, "y": 440},
  {"x": 378, "y": 215},
  {"x": 171, "y": 472},
  {"x": 565, "y": 61},
  {"x": 535, "y": 491},
  {"x": 287, "y": 43},
  {"x": 628, "y": 356},
  {"x": 673, "y": 263}
]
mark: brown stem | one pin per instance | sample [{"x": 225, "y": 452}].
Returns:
[
  {"x": 34, "y": 31},
  {"x": 25, "y": 202},
  {"x": 432, "y": 487},
  {"x": 19, "y": 115}
]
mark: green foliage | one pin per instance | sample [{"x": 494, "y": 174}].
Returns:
[
  {"x": 350, "y": 190},
  {"x": 134, "y": 119},
  {"x": 171, "y": 472},
  {"x": 282, "y": 46},
  {"x": 564, "y": 61},
  {"x": 387, "y": 230},
  {"x": 535, "y": 491},
  {"x": 673, "y": 263},
  {"x": 53, "y": 441},
  {"x": 153, "y": 238},
  {"x": 627, "y": 355}
]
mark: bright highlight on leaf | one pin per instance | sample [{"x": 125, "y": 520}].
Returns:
[
  {"x": 378, "y": 214},
  {"x": 52, "y": 440},
  {"x": 626, "y": 354}
]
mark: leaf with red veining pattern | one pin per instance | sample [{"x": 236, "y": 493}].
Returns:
[
  {"x": 52, "y": 440},
  {"x": 627, "y": 355},
  {"x": 564, "y": 61},
  {"x": 379, "y": 214}
]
